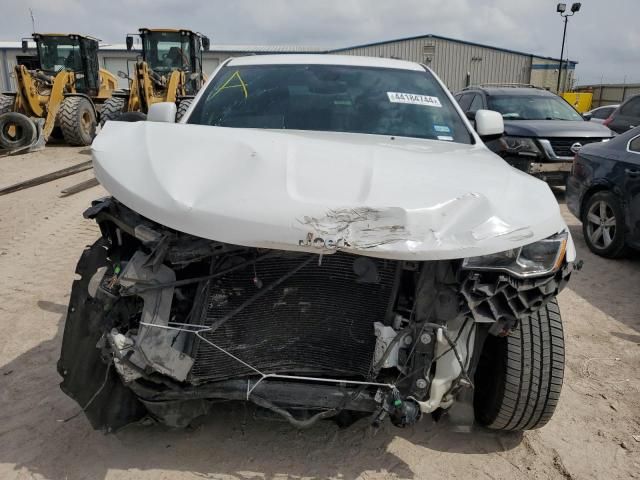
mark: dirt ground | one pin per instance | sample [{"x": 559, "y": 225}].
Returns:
[{"x": 41, "y": 237}]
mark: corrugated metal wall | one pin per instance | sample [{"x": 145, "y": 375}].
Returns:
[
  {"x": 453, "y": 60},
  {"x": 610, "y": 94}
]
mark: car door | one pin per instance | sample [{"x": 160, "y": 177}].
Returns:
[
  {"x": 627, "y": 117},
  {"x": 632, "y": 189}
]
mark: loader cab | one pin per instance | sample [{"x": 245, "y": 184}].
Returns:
[
  {"x": 73, "y": 53},
  {"x": 167, "y": 50}
]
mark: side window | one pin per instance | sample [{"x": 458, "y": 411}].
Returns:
[
  {"x": 603, "y": 113},
  {"x": 476, "y": 104},
  {"x": 634, "y": 145},
  {"x": 632, "y": 108},
  {"x": 465, "y": 101}
]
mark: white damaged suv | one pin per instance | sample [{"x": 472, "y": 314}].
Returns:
[{"x": 323, "y": 236}]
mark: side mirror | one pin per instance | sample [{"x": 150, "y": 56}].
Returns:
[
  {"x": 25, "y": 46},
  {"x": 489, "y": 124},
  {"x": 587, "y": 116},
  {"x": 471, "y": 115},
  {"x": 129, "y": 41},
  {"x": 122, "y": 74},
  {"x": 206, "y": 44},
  {"x": 162, "y": 112}
]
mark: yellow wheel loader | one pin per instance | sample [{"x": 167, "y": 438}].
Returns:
[
  {"x": 170, "y": 70},
  {"x": 65, "y": 92}
]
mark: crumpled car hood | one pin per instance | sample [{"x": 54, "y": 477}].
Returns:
[{"x": 373, "y": 195}]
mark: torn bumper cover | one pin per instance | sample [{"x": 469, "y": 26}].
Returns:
[{"x": 162, "y": 322}]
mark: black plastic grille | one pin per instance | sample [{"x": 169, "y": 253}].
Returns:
[
  {"x": 562, "y": 146},
  {"x": 318, "y": 321}
]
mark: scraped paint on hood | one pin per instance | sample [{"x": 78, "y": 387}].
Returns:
[{"x": 397, "y": 198}]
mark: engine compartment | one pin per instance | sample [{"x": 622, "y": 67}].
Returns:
[{"x": 165, "y": 322}]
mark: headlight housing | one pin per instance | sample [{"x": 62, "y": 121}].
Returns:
[
  {"x": 536, "y": 259},
  {"x": 523, "y": 146}
]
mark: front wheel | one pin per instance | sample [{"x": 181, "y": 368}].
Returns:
[
  {"x": 112, "y": 109},
  {"x": 77, "y": 120},
  {"x": 519, "y": 377},
  {"x": 183, "y": 106},
  {"x": 603, "y": 225}
]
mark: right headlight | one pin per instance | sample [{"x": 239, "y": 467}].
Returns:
[{"x": 538, "y": 258}]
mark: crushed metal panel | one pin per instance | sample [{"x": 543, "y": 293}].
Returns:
[{"x": 155, "y": 346}]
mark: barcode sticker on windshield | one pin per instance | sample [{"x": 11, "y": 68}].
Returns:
[{"x": 414, "y": 99}]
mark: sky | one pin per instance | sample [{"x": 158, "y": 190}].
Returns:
[{"x": 604, "y": 36}]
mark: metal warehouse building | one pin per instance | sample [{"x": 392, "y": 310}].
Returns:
[
  {"x": 457, "y": 62},
  {"x": 460, "y": 63}
]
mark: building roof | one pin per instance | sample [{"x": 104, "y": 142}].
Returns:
[
  {"x": 244, "y": 48},
  {"x": 430, "y": 35},
  {"x": 214, "y": 48}
]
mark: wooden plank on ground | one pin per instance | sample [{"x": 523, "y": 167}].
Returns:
[
  {"x": 79, "y": 187},
  {"x": 49, "y": 177}
]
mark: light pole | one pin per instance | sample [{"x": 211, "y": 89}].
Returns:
[{"x": 561, "y": 9}]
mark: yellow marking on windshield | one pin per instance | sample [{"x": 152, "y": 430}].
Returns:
[{"x": 226, "y": 85}]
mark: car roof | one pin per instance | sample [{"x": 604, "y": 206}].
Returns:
[
  {"x": 604, "y": 106},
  {"x": 321, "y": 59},
  {"x": 628, "y": 99}
]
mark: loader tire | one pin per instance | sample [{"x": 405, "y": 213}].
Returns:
[
  {"x": 519, "y": 377},
  {"x": 183, "y": 106},
  {"x": 112, "y": 109},
  {"x": 77, "y": 120},
  {"x": 16, "y": 131},
  {"x": 6, "y": 103},
  {"x": 132, "y": 117}
]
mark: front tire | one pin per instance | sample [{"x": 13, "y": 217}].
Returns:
[
  {"x": 112, "y": 109},
  {"x": 603, "y": 225},
  {"x": 77, "y": 120},
  {"x": 519, "y": 377},
  {"x": 183, "y": 106}
]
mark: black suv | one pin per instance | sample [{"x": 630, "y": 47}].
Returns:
[
  {"x": 626, "y": 116},
  {"x": 542, "y": 132}
]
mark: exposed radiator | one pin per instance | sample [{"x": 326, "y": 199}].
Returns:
[{"x": 318, "y": 321}]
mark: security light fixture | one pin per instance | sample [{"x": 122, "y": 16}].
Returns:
[{"x": 561, "y": 8}]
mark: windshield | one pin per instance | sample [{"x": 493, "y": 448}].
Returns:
[
  {"x": 59, "y": 53},
  {"x": 533, "y": 107},
  {"x": 331, "y": 98},
  {"x": 166, "y": 51}
]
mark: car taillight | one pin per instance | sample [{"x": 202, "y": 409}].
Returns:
[{"x": 608, "y": 121}]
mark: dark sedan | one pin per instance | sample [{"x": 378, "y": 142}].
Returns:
[{"x": 603, "y": 191}]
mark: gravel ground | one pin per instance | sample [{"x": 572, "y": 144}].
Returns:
[{"x": 41, "y": 238}]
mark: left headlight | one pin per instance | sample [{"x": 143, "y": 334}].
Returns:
[
  {"x": 523, "y": 146},
  {"x": 539, "y": 258}
]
